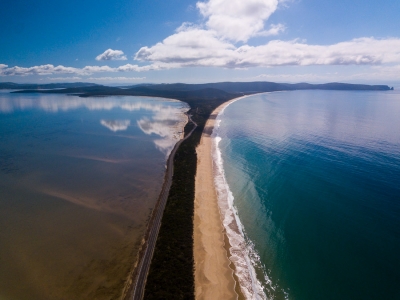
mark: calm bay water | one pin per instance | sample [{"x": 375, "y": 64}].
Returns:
[
  {"x": 315, "y": 177},
  {"x": 78, "y": 180}
]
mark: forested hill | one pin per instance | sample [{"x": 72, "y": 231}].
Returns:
[
  {"x": 23, "y": 86},
  {"x": 181, "y": 90},
  {"x": 262, "y": 86}
]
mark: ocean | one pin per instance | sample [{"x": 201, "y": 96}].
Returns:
[
  {"x": 79, "y": 178},
  {"x": 312, "y": 179}
]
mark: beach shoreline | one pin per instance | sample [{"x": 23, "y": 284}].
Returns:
[{"x": 214, "y": 272}]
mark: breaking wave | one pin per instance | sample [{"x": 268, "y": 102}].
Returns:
[{"x": 242, "y": 253}]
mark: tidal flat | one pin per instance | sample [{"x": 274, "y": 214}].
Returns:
[{"x": 79, "y": 178}]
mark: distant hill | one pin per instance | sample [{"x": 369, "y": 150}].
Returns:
[
  {"x": 262, "y": 86},
  {"x": 18, "y": 86},
  {"x": 209, "y": 91},
  {"x": 204, "y": 93},
  {"x": 134, "y": 85}
]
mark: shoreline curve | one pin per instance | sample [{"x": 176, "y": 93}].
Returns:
[{"x": 214, "y": 272}]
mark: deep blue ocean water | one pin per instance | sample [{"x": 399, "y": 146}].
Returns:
[{"x": 315, "y": 177}]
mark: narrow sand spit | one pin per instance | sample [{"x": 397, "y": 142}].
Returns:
[{"x": 214, "y": 278}]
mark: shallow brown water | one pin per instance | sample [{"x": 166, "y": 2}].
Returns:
[{"x": 77, "y": 186}]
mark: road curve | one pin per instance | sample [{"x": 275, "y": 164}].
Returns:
[{"x": 154, "y": 226}]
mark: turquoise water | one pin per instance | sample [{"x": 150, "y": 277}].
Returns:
[
  {"x": 315, "y": 177},
  {"x": 79, "y": 178}
]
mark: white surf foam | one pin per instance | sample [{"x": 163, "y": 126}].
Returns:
[{"x": 243, "y": 254}]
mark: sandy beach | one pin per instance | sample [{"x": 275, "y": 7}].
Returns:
[{"x": 214, "y": 276}]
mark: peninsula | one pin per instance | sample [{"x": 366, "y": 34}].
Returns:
[{"x": 185, "y": 261}]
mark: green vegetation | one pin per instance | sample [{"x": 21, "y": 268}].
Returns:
[
  {"x": 18, "y": 86},
  {"x": 180, "y": 90}
]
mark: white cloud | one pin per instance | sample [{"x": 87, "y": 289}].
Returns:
[
  {"x": 88, "y": 70},
  {"x": 274, "y": 29},
  {"x": 196, "y": 47},
  {"x": 38, "y": 70},
  {"x": 186, "y": 26},
  {"x": 136, "y": 68},
  {"x": 202, "y": 48},
  {"x": 237, "y": 20},
  {"x": 214, "y": 43},
  {"x": 191, "y": 47},
  {"x": 96, "y": 69},
  {"x": 111, "y": 54}
]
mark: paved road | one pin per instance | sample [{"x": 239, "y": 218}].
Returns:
[{"x": 144, "y": 264}]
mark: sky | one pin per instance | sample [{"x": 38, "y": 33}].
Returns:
[{"x": 158, "y": 41}]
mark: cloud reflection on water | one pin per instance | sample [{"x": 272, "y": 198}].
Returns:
[
  {"x": 167, "y": 129},
  {"x": 55, "y": 103},
  {"x": 166, "y": 121},
  {"x": 116, "y": 125}
]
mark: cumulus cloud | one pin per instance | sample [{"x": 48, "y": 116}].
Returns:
[
  {"x": 37, "y": 70},
  {"x": 274, "y": 29},
  {"x": 136, "y": 68},
  {"x": 199, "y": 47},
  {"x": 217, "y": 42},
  {"x": 190, "y": 46},
  {"x": 227, "y": 22},
  {"x": 88, "y": 70},
  {"x": 363, "y": 51},
  {"x": 202, "y": 48},
  {"x": 111, "y": 54},
  {"x": 237, "y": 20}
]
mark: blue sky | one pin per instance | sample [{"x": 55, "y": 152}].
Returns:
[{"x": 200, "y": 41}]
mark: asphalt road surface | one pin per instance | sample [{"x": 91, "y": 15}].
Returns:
[{"x": 144, "y": 264}]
